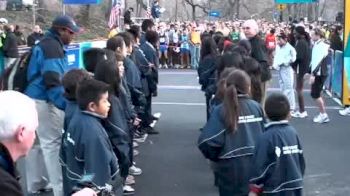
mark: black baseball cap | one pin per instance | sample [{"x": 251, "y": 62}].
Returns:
[{"x": 66, "y": 22}]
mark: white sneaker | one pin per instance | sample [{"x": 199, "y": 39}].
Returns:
[
  {"x": 130, "y": 180},
  {"x": 128, "y": 190},
  {"x": 136, "y": 152},
  {"x": 135, "y": 144},
  {"x": 321, "y": 118},
  {"x": 295, "y": 114},
  {"x": 133, "y": 170},
  {"x": 303, "y": 114},
  {"x": 345, "y": 111}
]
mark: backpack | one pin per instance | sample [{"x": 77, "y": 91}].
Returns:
[{"x": 15, "y": 76}]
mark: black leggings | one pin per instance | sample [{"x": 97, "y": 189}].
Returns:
[{"x": 299, "y": 88}]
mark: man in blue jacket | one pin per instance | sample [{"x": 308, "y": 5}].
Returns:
[{"x": 47, "y": 66}]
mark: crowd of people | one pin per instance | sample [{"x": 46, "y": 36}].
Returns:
[{"x": 105, "y": 110}]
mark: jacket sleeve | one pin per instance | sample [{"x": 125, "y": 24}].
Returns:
[
  {"x": 264, "y": 161},
  {"x": 52, "y": 82},
  {"x": 97, "y": 159},
  {"x": 212, "y": 138}
]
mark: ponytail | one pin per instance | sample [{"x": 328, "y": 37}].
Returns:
[{"x": 231, "y": 109}]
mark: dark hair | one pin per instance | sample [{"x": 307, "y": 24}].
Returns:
[
  {"x": 146, "y": 24},
  {"x": 246, "y": 45},
  {"x": 89, "y": 91},
  {"x": 71, "y": 80},
  {"x": 238, "y": 82},
  {"x": 119, "y": 57},
  {"x": 217, "y": 37},
  {"x": 208, "y": 47},
  {"x": 221, "y": 84},
  {"x": 135, "y": 31},
  {"x": 221, "y": 44},
  {"x": 110, "y": 55},
  {"x": 277, "y": 107},
  {"x": 282, "y": 36},
  {"x": 91, "y": 57},
  {"x": 301, "y": 31},
  {"x": 152, "y": 37},
  {"x": 108, "y": 72},
  {"x": 115, "y": 42},
  {"x": 272, "y": 31},
  {"x": 229, "y": 59},
  {"x": 128, "y": 38},
  {"x": 253, "y": 69}
]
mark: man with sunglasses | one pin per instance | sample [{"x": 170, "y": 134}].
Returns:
[{"x": 48, "y": 63}]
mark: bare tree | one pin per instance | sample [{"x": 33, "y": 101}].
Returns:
[{"x": 194, "y": 6}]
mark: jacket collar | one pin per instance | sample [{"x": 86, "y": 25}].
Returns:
[
  {"x": 282, "y": 122},
  {"x": 93, "y": 114},
  {"x": 6, "y": 161},
  {"x": 54, "y": 34}
]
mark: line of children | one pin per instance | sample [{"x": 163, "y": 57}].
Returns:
[
  {"x": 247, "y": 156},
  {"x": 128, "y": 78}
]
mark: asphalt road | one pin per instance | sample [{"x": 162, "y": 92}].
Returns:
[{"x": 173, "y": 166}]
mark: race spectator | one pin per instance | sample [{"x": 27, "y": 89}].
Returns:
[
  {"x": 336, "y": 40},
  {"x": 285, "y": 56},
  {"x": 195, "y": 40},
  {"x": 301, "y": 67},
  {"x": 35, "y": 37},
  {"x": 10, "y": 46},
  {"x": 258, "y": 52},
  {"x": 46, "y": 68},
  {"x": 319, "y": 73},
  {"x": 19, "y": 35},
  {"x": 127, "y": 17}
]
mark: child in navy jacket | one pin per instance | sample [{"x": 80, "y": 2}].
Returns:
[{"x": 279, "y": 165}]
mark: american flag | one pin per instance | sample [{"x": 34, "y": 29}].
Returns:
[{"x": 115, "y": 14}]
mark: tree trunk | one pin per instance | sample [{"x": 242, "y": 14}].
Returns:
[
  {"x": 193, "y": 12},
  {"x": 85, "y": 14},
  {"x": 238, "y": 7},
  {"x": 176, "y": 9},
  {"x": 310, "y": 11}
]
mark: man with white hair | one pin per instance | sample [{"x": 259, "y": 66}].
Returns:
[
  {"x": 18, "y": 122},
  {"x": 259, "y": 51}
]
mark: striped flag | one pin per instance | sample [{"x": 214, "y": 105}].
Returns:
[{"x": 115, "y": 14}]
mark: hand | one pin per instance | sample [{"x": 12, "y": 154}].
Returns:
[
  {"x": 252, "y": 194},
  {"x": 312, "y": 80},
  {"x": 85, "y": 192},
  {"x": 136, "y": 122}
]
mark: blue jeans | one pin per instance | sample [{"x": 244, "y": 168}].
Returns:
[{"x": 195, "y": 54}]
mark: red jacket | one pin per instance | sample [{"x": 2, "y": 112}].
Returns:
[{"x": 270, "y": 41}]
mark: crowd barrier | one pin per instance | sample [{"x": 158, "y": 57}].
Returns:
[{"x": 338, "y": 83}]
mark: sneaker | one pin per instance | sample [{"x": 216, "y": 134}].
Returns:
[
  {"x": 295, "y": 114},
  {"x": 140, "y": 138},
  {"x": 321, "y": 118},
  {"x": 303, "y": 114},
  {"x": 135, "y": 152},
  {"x": 130, "y": 180},
  {"x": 135, "y": 144},
  {"x": 128, "y": 190},
  {"x": 345, "y": 111},
  {"x": 135, "y": 171},
  {"x": 156, "y": 116}
]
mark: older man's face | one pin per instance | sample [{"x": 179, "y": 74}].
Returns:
[{"x": 249, "y": 31}]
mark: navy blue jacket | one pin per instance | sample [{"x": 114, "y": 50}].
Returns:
[
  {"x": 85, "y": 150},
  {"x": 207, "y": 74},
  {"x": 132, "y": 73},
  {"x": 232, "y": 153},
  {"x": 46, "y": 68},
  {"x": 116, "y": 126},
  {"x": 143, "y": 65},
  {"x": 279, "y": 164},
  {"x": 10, "y": 47},
  {"x": 155, "y": 11},
  {"x": 151, "y": 55}
]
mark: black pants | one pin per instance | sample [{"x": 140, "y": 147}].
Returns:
[{"x": 147, "y": 116}]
